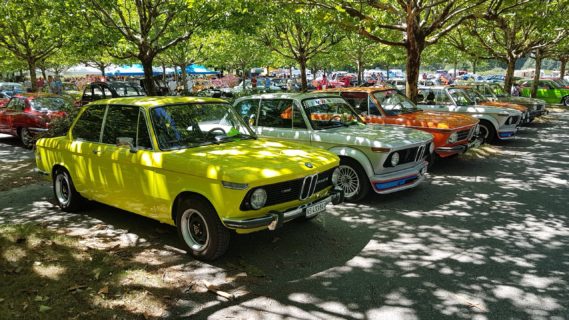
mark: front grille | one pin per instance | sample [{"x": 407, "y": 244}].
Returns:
[
  {"x": 407, "y": 155},
  {"x": 513, "y": 120},
  {"x": 463, "y": 134},
  {"x": 298, "y": 189}
]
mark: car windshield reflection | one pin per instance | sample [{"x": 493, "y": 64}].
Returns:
[
  {"x": 394, "y": 103},
  {"x": 194, "y": 125},
  {"x": 50, "y": 104},
  {"x": 330, "y": 112}
]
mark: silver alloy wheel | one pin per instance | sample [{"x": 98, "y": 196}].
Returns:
[
  {"x": 195, "y": 230},
  {"x": 26, "y": 137},
  {"x": 62, "y": 189},
  {"x": 566, "y": 101},
  {"x": 349, "y": 181}
]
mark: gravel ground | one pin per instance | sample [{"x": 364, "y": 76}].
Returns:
[{"x": 486, "y": 237}]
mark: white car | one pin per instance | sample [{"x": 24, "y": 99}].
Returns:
[
  {"x": 384, "y": 158},
  {"x": 495, "y": 123}
]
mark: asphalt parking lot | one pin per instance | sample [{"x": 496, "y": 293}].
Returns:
[{"x": 486, "y": 237}]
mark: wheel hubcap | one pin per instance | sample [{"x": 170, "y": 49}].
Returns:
[
  {"x": 349, "y": 181},
  {"x": 195, "y": 230},
  {"x": 26, "y": 137},
  {"x": 62, "y": 190}
]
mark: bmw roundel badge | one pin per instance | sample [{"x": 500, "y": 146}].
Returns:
[{"x": 308, "y": 165}]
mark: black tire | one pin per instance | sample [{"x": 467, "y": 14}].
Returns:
[
  {"x": 26, "y": 138},
  {"x": 68, "y": 199},
  {"x": 487, "y": 131},
  {"x": 565, "y": 101},
  {"x": 432, "y": 159},
  {"x": 200, "y": 230},
  {"x": 353, "y": 180}
]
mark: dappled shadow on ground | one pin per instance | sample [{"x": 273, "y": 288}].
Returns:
[
  {"x": 16, "y": 164},
  {"x": 487, "y": 237}
]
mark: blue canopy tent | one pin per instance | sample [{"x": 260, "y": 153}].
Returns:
[
  {"x": 132, "y": 71},
  {"x": 199, "y": 69}
]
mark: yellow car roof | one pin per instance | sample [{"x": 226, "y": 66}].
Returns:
[{"x": 148, "y": 102}]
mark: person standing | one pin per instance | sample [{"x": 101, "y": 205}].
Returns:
[
  {"x": 267, "y": 83},
  {"x": 324, "y": 82},
  {"x": 254, "y": 82},
  {"x": 189, "y": 84},
  {"x": 40, "y": 83}
]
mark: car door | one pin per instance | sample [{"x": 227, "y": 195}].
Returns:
[
  {"x": 126, "y": 158},
  {"x": 87, "y": 174},
  {"x": 282, "y": 119},
  {"x": 11, "y": 117}
]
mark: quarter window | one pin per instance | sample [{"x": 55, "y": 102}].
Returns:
[{"x": 88, "y": 126}]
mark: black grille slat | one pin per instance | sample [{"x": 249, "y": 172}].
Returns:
[
  {"x": 463, "y": 134},
  {"x": 290, "y": 190}
]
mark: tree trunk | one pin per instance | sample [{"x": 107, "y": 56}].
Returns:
[
  {"x": 33, "y": 78},
  {"x": 510, "y": 74},
  {"x": 102, "y": 68},
  {"x": 360, "y": 71},
  {"x": 474, "y": 65},
  {"x": 412, "y": 69},
  {"x": 537, "y": 73},
  {"x": 455, "y": 67},
  {"x": 148, "y": 76},
  {"x": 563, "y": 65},
  {"x": 303, "y": 83},
  {"x": 243, "y": 76},
  {"x": 185, "y": 79},
  {"x": 164, "y": 73}
]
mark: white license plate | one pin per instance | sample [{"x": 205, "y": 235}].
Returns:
[{"x": 316, "y": 209}]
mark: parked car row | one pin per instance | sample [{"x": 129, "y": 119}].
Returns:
[{"x": 210, "y": 168}]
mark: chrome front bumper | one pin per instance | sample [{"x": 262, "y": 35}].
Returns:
[{"x": 275, "y": 219}]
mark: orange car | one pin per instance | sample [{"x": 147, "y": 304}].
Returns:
[
  {"x": 480, "y": 99},
  {"x": 453, "y": 133}
]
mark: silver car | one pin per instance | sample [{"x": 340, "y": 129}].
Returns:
[
  {"x": 385, "y": 158},
  {"x": 495, "y": 123}
]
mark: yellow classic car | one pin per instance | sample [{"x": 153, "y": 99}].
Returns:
[{"x": 188, "y": 162}]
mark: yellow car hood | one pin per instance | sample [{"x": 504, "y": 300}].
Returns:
[{"x": 251, "y": 161}]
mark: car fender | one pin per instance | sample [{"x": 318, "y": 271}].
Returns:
[
  {"x": 355, "y": 154},
  {"x": 488, "y": 118}
]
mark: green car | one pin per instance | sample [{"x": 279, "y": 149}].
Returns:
[{"x": 548, "y": 90}]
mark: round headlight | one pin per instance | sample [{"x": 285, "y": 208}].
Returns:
[
  {"x": 394, "y": 159},
  {"x": 453, "y": 138},
  {"x": 431, "y": 147},
  {"x": 258, "y": 198},
  {"x": 336, "y": 176}
]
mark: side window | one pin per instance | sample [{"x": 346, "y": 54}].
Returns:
[
  {"x": 248, "y": 110},
  {"x": 88, "y": 127},
  {"x": 297, "y": 119},
  {"x": 97, "y": 92},
  {"x": 88, "y": 93},
  {"x": 276, "y": 113},
  {"x": 15, "y": 104},
  {"x": 107, "y": 93},
  {"x": 442, "y": 97},
  {"x": 126, "y": 123}
]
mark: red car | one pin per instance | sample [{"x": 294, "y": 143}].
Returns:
[{"x": 26, "y": 115}]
